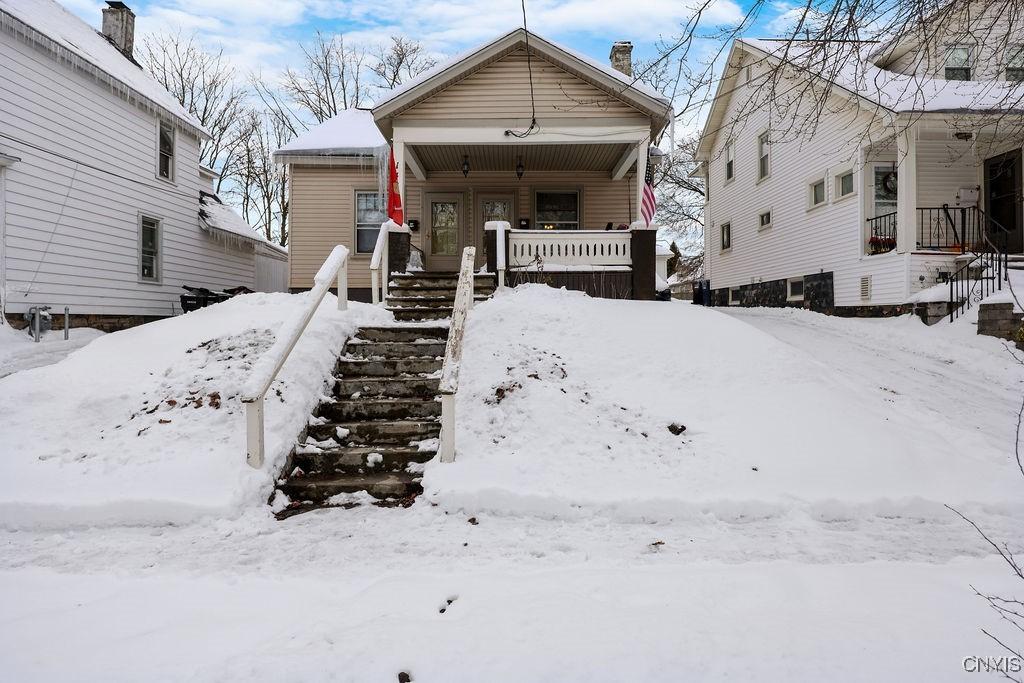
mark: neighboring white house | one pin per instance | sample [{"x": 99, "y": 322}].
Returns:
[
  {"x": 903, "y": 171},
  {"x": 100, "y": 178}
]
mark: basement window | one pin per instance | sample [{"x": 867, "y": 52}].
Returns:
[
  {"x": 958, "y": 63},
  {"x": 734, "y": 296},
  {"x": 149, "y": 249},
  {"x": 795, "y": 289},
  {"x": 557, "y": 210},
  {"x": 165, "y": 154},
  {"x": 369, "y": 216}
]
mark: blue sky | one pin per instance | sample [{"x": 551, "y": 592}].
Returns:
[{"x": 263, "y": 34}]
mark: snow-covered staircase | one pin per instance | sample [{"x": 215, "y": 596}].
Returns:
[{"x": 382, "y": 421}]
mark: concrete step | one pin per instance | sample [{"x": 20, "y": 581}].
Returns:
[
  {"x": 421, "y": 301},
  {"x": 393, "y": 387},
  {"x": 421, "y": 313},
  {"x": 381, "y": 485},
  {"x": 407, "y": 333},
  {"x": 387, "y": 368},
  {"x": 385, "y": 432},
  {"x": 389, "y": 349},
  {"x": 379, "y": 409},
  {"x": 446, "y": 292},
  {"x": 361, "y": 459}
]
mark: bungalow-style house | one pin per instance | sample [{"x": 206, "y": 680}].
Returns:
[
  {"x": 908, "y": 171},
  {"x": 519, "y": 130},
  {"x": 100, "y": 181}
]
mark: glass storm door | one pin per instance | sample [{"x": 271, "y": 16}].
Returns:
[
  {"x": 884, "y": 189},
  {"x": 444, "y": 231},
  {"x": 493, "y": 207}
]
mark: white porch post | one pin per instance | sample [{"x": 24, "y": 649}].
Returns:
[
  {"x": 641, "y": 173},
  {"x": 906, "y": 189}
]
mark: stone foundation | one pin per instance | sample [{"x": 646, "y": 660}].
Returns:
[
  {"x": 106, "y": 323},
  {"x": 818, "y": 294},
  {"x": 999, "y": 320}
]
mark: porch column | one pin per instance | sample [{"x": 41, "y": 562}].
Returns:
[
  {"x": 906, "y": 189},
  {"x": 398, "y": 147},
  {"x": 641, "y": 173}
]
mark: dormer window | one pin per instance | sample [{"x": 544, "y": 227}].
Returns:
[
  {"x": 1015, "y": 62},
  {"x": 958, "y": 63}
]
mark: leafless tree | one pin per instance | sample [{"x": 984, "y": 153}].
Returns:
[
  {"x": 331, "y": 79},
  {"x": 207, "y": 86},
  {"x": 399, "y": 61},
  {"x": 262, "y": 189}
]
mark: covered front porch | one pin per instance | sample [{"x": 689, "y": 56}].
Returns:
[{"x": 938, "y": 188}]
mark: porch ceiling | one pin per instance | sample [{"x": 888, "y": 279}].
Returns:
[{"x": 581, "y": 157}]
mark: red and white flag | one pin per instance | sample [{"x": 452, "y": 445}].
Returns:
[
  {"x": 649, "y": 205},
  {"x": 395, "y": 211}
]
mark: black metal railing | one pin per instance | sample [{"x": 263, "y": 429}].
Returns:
[
  {"x": 984, "y": 272},
  {"x": 946, "y": 228},
  {"x": 882, "y": 231}
]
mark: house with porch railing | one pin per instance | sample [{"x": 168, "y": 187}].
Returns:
[
  {"x": 897, "y": 180},
  {"x": 518, "y": 131}
]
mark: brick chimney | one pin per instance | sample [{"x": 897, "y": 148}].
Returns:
[
  {"x": 119, "y": 27},
  {"x": 621, "y": 56}
]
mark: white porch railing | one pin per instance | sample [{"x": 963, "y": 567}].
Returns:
[
  {"x": 270, "y": 363},
  {"x": 378, "y": 284},
  {"x": 449, "y": 383},
  {"x": 571, "y": 249}
]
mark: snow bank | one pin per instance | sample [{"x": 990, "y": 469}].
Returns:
[
  {"x": 18, "y": 351},
  {"x": 146, "y": 425},
  {"x": 568, "y": 407}
]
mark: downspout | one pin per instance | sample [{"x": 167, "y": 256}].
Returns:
[{"x": 5, "y": 161}]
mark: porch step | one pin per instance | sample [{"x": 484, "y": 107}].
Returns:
[
  {"x": 414, "y": 290},
  {"x": 318, "y": 488},
  {"x": 412, "y": 313},
  {"x": 381, "y": 432},
  {"x": 389, "y": 367},
  {"x": 390, "y": 387},
  {"x": 391, "y": 349},
  {"x": 379, "y": 409},
  {"x": 361, "y": 459},
  {"x": 402, "y": 334}
]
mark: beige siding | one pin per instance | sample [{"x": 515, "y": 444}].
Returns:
[
  {"x": 323, "y": 216},
  {"x": 502, "y": 90}
]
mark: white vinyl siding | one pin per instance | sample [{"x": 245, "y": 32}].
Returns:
[{"x": 73, "y": 230}]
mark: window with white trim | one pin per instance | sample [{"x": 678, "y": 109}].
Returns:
[
  {"x": 726, "y": 231},
  {"x": 844, "y": 184},
  {"x": 795, "y": 289},
  {"x": 734, "y": 296},
  {"x": 764, "y": 220},
  {"x": 763, "y": 156},
  {"x": 730, "y": 161},
  {"x": 816, "y": 193},
  {"x": 1015, "y": 62},
  {"x": 557, "y": 210},
  {"x": 958, "y": 63},
  {"x": 149, "y": 249},
  {"x": 369, "y": 216},
  {"x": 165, "y": 151}
]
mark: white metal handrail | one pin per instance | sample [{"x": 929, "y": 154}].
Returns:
[
  {"x": 449, "y": 383},
  {"x": 378, "y": 284},
  {"x": 265, "y": 370}
]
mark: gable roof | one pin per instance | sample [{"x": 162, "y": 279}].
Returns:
[
  {"x": 853, "y": 73},
  {"x": 70, "y": 40},
  {"x": 221, "y": 220},
  {"x": 604, "y": 77},
  {"x": 349, "y": 133}
]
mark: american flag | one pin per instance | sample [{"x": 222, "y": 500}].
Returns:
[{"x": 649, "y": 204}]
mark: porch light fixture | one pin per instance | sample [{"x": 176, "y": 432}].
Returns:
[
  {"x": 465, "y": 165},
  {"x": 520, "y": 169},
  {"x": 655, "y": 156}
]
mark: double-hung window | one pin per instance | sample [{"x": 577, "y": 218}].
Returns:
[
  {"x": 844, "y": 184},
  {"x": 726, "y": 230},
  {"x": 149, "y": 249},
  {"x": 1015, "y": 62},
  {"x": 730, "y": 161},
  {"x": 958, "y": 63},
  {"x": 763, "y": 157},
  {"x": 816, "y": 193},
  {"x": 165, "y": 153},
  {"x": 557, "y": 210},
  {"x": 369, "y": 216}
]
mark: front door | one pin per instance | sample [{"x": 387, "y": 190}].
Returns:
[
  {"x": 494, "y": 206},
  {"x": 444, "y": 231},
  {"x": 1003, "y": 198}
]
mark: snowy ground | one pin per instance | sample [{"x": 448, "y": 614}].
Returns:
[
  {"x": 18, "y": 351},
  {"x": 572, "y": 545}
]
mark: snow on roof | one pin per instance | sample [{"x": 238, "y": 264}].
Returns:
[
  {"x": 90, "y": 48},
  {"x": 454, "y": 61},
  {"x": 217, "y": 216},
  {"x": 851, "y": 68},
  {"x": 350, "y": 132}
]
